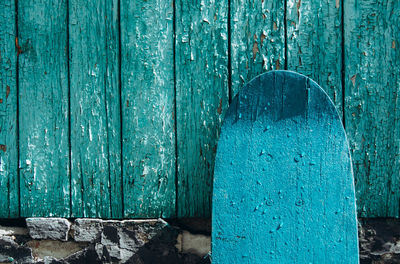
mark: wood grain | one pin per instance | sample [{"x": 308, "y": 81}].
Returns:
[
  {"x": 43, "y": 108},
  {"x": 142, "y": 139},
  {"x": 201, "y": 96},
  {"x": 372, "y": 82},
  {"x": 148, "y": 108},
  {"x": 9, "y": 201},
  {"x": 257, "y": 39},
  {"x": 314, "y": 43},
  {"x": 95, "y": 109}
]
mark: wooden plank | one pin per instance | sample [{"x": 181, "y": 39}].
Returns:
[
  {"x": 314, "y": 43},
  {"x": 95, "y": 109},
  {"x": 283, "y": 186},
  {"x": 9, "y": 203},
  {"x": 148, "y": 108},
  {"x": 257, "y": 39},
  {"x": 43, "y": 108},
  {"x": 372, "y": 79},
  {"x": 201, "y": 97}
]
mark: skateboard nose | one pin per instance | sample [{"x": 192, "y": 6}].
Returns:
[
  {"x": 295, "y": 93},
  {"x": 278, "y": 95}
]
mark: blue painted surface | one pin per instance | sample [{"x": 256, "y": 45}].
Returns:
[{"x": 283, "y": 186}]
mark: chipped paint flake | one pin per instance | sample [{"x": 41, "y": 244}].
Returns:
[{"x": 353, "y": 79}]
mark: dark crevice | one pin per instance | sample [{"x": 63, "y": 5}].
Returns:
[
  {"x": 120, "y": 109},
  {"x": 195, "y": 225},
  {"x": 13, "y": 222},
  {"x": 69, "y": 114},
  {"x": 175, "y": 111},
  {"x": 229, "y": 55},
  {"x": 343, "y": 67},
  {"x": 285, "y": 33},
  {"x": 17, "y": 114}
]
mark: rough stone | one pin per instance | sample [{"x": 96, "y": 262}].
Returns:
[
  {"x": 124, "y": 241},
  {"x": 54, "y": 248},
  {"x": 87, "y": 230},
  {"x": 11, "y": 252},
  {"x": 188, "y": 243},
  {"x": 136, "y": 233},
  {"x": 48, "y": 228},
  {"x": 88, "y": 255},
  {"x": 13, "y": 231}
]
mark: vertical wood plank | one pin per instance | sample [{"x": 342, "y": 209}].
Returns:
[
  {"x": 202, "y": 98},
  {"x": 95, "y": 109},
  {"x": 8, "y": 112},
  {"x": 372, "y": 87},
  {"x": 148, "y": 108},
  {"x": 113, "y": 107},
  {"x": 314, "y": 43},
  {"x": 43, "y": 108},
  {"x": 257, "y": 39}
]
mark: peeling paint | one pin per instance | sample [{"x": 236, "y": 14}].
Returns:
[
  {"x": 8, "y": 119},
  {"x": 266, "y": 19},
  {"x": 148, "y": 117},
  {"x": 42, "y": 45},
  {"x": 219, "y": 110},
  {"x": 3, "y": 147},
  {"x": 255, "y": 49},
  {"x": 353, "y": 79},
  {"x": 95, "y": 115},
  {"x": 298, "y": 9},
  {"x": 372, "y": 101},
  {"x": 201, "y": 99},
  {"x": 148, "y": 152},
  {"x": 315, "y": 50},
  {"x": 262, "y": 37}
]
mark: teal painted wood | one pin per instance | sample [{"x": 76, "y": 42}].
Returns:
[
  {"x": 148, "y": 108},
  {"x": 372, "y": 79},
  {"x": 314, "y": 40},
  {"x": 314, "y": 43},
  {"x": 257, "y": 39},
  {"x": 43, "y": 108},
  {"x": 283, "y": 185},
  {"x": 9, "y": 204},
  {"x": 201, "y": 98},
  {"x": 95, "y": 109}
]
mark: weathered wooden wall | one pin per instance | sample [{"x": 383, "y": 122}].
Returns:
[
  {"x": 372, "y": 106},
  {"x": 113, "y": 108}
]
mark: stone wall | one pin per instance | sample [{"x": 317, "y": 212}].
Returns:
[{"x": 58, "y": 240}]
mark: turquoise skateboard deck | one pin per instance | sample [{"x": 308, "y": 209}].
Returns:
[{"x": 283, "y": 183}]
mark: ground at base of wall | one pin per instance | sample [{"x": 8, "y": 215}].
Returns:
[
  {"x": 379, "y": 241},
  {"x": 58, "y": 240}
]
